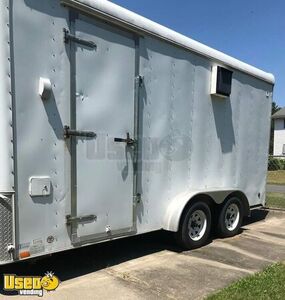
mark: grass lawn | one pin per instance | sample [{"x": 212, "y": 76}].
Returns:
[
  {"x": 275, "y": 200},
  {"x": 276, "y": 177},
  {"x": 269, "y": 284}
]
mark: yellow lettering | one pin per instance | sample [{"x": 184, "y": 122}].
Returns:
[
  {"x": 37, "y": 285},
  {"x": 19, "y": 283},
  {"x": 12, "y": 282},
  {"x": 9, "y": 282},
  {"x": 28, "y": 283}
]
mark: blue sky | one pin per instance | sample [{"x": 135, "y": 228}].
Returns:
[{"x": 250, "y": 30}]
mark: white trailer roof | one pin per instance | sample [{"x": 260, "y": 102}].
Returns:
[{"x": 110, "y": 10}]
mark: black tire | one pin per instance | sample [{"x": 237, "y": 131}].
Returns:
[
  {"x": 227, "y": 225},
  {"x": 184, "y": 237}
]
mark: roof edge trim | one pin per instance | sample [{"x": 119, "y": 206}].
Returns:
[{"x": 115, "y": 13}]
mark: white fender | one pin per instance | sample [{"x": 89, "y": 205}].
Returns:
[{"x": 177, "y": 205}]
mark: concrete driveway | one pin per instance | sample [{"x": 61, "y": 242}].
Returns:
[{"x": 152, "y": 267}]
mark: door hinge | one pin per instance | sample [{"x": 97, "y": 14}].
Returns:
[
  {"x": 83, "y": 219},
  {"x": 138, "y": 198},
  {"x": 140, "y": 80},
  {"x": 70, "y": 37}
]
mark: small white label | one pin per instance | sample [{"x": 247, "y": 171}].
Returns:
[{"x": 37, "y": 247}]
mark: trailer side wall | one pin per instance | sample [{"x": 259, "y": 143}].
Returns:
[
  {"x": 39, "y": 51},
  {"x": 195, "y": 141},
  {"x": 6, "y": 136}
]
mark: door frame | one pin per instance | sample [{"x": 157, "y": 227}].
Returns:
[{"x": 72, "y": 220}]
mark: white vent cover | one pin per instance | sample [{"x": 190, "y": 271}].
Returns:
[{"x": 221, "y": 82}]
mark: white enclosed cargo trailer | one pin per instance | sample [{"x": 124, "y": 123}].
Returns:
[{"x": 112, "y": 125}]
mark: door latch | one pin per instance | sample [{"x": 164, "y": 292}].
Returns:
[
  {"x": 128, "y": 140},
  {"x": 70, "y": 132},
  {"x": 69, "y": 37},
  {"x": 83, "y": 219}
]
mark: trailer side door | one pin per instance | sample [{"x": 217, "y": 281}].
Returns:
[{"x": 103, "y": 107}]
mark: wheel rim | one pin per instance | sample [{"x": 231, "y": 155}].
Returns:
[
  {"x": 232, "y": 217},
  {"x": 197, "y": 225}
]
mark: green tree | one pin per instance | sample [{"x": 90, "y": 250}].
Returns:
[{"x": 275, "y": 108}]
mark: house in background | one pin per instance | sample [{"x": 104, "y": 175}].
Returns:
[{"x": 279, "y": 132}]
